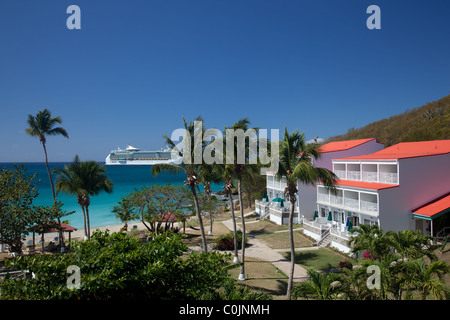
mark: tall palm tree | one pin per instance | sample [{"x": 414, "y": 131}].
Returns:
[
  {"x": 190, "y": 168},
  {"x": 42, "y": 125},
  {"x": 83, "y": 179},
  {"x": 239, "y": 171},
  {"x": 295, "y": 164}
]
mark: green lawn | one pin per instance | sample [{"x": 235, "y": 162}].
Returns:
[{"x": 320, "y": 259}]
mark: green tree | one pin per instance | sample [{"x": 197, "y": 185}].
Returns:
[
  {"x": 296, "y": 164},
  {"x": 17, "y": 212},
  {"x": 42, "y": 125},
  {"x": 189, "y": 167},
  {"x": 83, "y": 179},
  {"x": 240, "y": 171},
  {"x": 116, "y": 266},
  {"x": 124, "y": 211},
  {"x": 154, "y": 203},
  {"x": 370, "y": 238},
  {"x": 427, "y": 279}
]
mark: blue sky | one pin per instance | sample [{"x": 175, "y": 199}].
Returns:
[{"x": 136, "y": 67}]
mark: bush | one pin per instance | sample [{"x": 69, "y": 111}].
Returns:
[
  {"x": 116, "y": 266},
  {"x": 226, "y": 241},
  {"x": 346, "y": 264}
]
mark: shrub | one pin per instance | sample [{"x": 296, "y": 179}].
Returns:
[
  {"x": 226, "y": 241},
  {"x": 346, "y": 264}
]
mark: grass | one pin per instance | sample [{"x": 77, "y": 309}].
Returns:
[
  {"x": 281, "y": 240},
  {"x": 263, "y": 276},
  {"x": 320, "y": 259}
]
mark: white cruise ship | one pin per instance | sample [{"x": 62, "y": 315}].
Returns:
[{"x": 134, "y": 156}]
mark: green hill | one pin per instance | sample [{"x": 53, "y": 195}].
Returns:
[{"x": 428, "y": 122}]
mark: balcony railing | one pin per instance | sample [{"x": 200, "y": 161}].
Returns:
[
  {"x": 370, "y": 176},
  {"x": 351, "y": 203},
  {"x": 353, "y": 175},
  {"x": 388, "y": 177},
  {"x": 341, "y": 174},
  {"x": 369, "y": 206},
  {"x": 337, "y": 200}
]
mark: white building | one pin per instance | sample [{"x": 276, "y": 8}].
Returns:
[
  {"x": 307, "y": 194},
  {"x": 403, "y": 187}
]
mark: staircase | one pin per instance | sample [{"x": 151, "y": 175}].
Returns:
[
  {"x": 265, "y": 213},
  {"x": 325, "y": 239}
]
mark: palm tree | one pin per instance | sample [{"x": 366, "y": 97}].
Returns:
[
  {"x": 42, "y": 125},
  {"x": 83, "y": 179},
  {"x": 320, "y": 286},
  {"x": 239, "y": 171},
  {"x": 295, "y": 164},
  {"x": 208, "y": 173},
  {"x": 189, "y": 168},
  {"x": 411, "y": 244},
  {"x": 370, "y": 238},
  {"x": 427, "y": 279}
]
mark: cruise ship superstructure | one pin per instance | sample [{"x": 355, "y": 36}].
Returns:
[{"x": 134, "y": 156}]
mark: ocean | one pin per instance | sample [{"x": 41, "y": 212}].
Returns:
[{"x": 125, "y": 179}]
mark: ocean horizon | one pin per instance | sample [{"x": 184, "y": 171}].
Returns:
[{"x": 125, "y": 178}]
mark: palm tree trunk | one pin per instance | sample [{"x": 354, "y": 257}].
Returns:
[
  {"x": 84, "y": 221},
  {"x": 199, "y": 217},
  {"x": 88, "y": 223},
  {"x": 53, "y": 190},
  {"x": 236, "y": 257},
  {"x": 241, "y": 207},
  {"x": 291, "y": 241}
]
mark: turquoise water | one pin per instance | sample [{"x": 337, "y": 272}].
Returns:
[{"x": 125, "y": 179}]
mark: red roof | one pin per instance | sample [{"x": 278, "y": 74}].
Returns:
[
  {"x": 342, "y": 145},
  {"x": 64, "y": 226},
  {"x": 434, "y": 207},
  {"x": 365, "y": 185},
  {"x": 408, "y": 150}
]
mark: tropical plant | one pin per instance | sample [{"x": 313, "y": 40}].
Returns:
[
  {"x": 83, "y": 179},
  {"x": 411, "y": 244},
  {"x": 189, "y": 167},
  {"x": 427, "y": 279},
  {"x": 158, "y": 204},
  {"x": 17, "y": 212},
  {"x": 370, "y": 240},
  {"x": 239, "y": 170},
  {"x": 42, "y": 125},
  {"x": 118, "y": 267},
  {"x": 295, "y": 163},
  {"x": 319, "y": 286},
  {"x": 124, "y": 211}
]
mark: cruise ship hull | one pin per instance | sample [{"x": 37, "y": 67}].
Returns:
[{"x": 133, "y": 156}]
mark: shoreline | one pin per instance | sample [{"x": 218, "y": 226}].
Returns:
[{"x": 79, "y": 234}]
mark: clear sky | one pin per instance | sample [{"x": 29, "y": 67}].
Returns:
[{"x": 137, "y": 66}]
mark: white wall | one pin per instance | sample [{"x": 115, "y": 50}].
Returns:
[{"x": 422, "y": 179}]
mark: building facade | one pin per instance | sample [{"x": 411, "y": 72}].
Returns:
[{"x": 403, "y": 187}]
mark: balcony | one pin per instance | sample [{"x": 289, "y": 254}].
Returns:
[
  {"x": 353, "y": 175},
  {"x": 349, "y": 200}
]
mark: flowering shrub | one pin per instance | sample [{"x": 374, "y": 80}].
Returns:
[{"x": 367, "y": 255}]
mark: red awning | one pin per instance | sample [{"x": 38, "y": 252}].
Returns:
[{"x": 434, "y": 208}]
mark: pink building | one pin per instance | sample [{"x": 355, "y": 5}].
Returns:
[
  {"x": 307, "y": 195},
  {"x": 402, "y": 187}
]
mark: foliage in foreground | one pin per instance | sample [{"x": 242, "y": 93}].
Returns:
[
  {"x": 394, "y": 266},
  {"x": 116, "y": 266}
]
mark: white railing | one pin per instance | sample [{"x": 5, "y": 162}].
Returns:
[
  {"x": 353, "y": 175},
  {"x": 388, "y": 177},
  {"x": 370, "y": 176},
  {"x": 351, "y": 203},
  {"x": 323, "y": 197},
  {"x": 369, "y": 206},
  {"x": 337, "y": 200},
  {"x": 341, "y": 174}
]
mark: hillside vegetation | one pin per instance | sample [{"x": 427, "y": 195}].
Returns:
[{"x": 428, "y": 122}]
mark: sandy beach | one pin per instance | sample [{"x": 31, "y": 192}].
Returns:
[{"x": 79, "y": 234}]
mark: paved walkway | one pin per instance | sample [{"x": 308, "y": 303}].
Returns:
[{"x": 257, "y": 249}]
